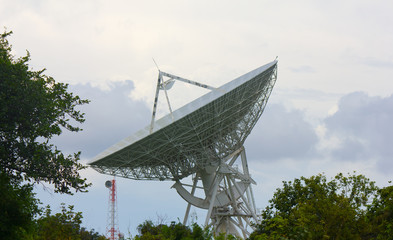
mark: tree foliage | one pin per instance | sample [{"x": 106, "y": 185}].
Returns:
[
  {"x": 315, "y": 208},
  {"x": 149, "y": 231},
  {"x": 380, "y": 215},
  {"x": 177, "y": 231},
  {"x": 33, "y": 109},
  {"x": 62, "y": 226},
  {"x": 18, "y": 206}
]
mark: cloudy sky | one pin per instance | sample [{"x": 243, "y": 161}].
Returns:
[{"x": 330, "y": 111}]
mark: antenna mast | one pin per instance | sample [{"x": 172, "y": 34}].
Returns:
[{"x": 112, "y": 229}]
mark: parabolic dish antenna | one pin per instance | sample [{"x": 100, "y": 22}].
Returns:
[{"x": 204, "y": 140}]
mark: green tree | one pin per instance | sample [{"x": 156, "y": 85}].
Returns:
[
  {"x": 148, "y": 231},
  {"x": 18, "y": 207},
  {"x": 380, "y": 215},
  {"x": 63, "y": 226},
  {"x": 315, "y": 208},
  {"x": 34, "y": 108},
  {"x": 91, "y": 235},
  {"x": 177, "y": 231}
]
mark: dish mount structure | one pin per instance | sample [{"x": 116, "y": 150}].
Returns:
[{"x": 202, "y": 141}]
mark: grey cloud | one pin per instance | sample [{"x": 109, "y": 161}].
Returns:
[
  {"x": 351, "y": 149},
  {"x": 110, "y": 116},
  {"x": 364, "y": 124},
  {"x": 281, "y": 133}
]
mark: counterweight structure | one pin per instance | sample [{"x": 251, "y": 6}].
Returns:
[{"x": 203, "y": 139}]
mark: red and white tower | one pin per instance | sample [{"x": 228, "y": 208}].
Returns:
[{"x": 112, "y": 229}]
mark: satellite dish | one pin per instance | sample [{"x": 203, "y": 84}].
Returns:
[
  {"x": 167, "y": 84},
  {"x": 108, "y": 184},
  {"x": 202, "y": 140}
]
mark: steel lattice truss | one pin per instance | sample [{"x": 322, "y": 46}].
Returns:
[{"x": 202, "y": 133}]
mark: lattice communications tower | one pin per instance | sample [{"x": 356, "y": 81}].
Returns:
[{"x": 112, "y": 229}]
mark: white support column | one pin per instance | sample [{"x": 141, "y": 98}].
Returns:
[
  {"x": 245, "y": 200},
  {"x": 189, "y": 204},
  {"x": 228, "y": 195},
  {"x": 212, "y": 199},
  {"x": 250, "y": 194},
  {"x": 234, "y": 202},
  {"x": 155, "y": 102},
  {"x": 169, "y": 104},
  {"x": 240, "y": 225}
]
